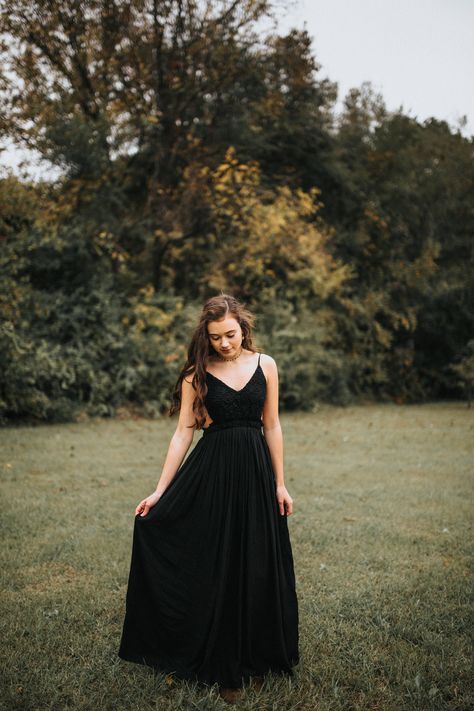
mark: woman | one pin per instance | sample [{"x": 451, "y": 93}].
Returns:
[{"x": 211, "y": 592}]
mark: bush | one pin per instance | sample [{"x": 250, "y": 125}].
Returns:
[{"x": 309, "y": 369}]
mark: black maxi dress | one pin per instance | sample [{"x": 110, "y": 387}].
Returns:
[{"x": 211, "y": 592}]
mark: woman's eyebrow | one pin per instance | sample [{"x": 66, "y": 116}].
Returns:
[{"x": 217, "y": 334}]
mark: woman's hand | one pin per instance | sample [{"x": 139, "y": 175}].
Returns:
[
  {"x": 284, "y": 501},
  {"x": 146, "y": 504}
]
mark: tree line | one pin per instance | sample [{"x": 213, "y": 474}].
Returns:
[{"x": 196, "y": 154}]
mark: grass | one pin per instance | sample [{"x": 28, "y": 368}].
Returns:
[{"x": 381, "y": 534}]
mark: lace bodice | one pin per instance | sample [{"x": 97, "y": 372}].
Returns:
[{"x": 225, "y": 404}]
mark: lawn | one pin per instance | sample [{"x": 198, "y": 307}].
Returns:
[{"x": 382, "y": 542}]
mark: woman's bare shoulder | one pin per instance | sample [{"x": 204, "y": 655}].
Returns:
[
  {"x": 268, "y": 366},
  {"x": 265, "y": 358}
]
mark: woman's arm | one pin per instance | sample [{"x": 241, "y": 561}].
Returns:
[
  {"x": 179, "y": 445},
  {"x": 182, "y": 438},
  {"x": 274, "y": 436}
]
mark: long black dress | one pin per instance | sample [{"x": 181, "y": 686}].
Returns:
[{"x": 211, "y": 591}]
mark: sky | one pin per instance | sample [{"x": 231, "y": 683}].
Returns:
[{"x": 419, "y": 54}]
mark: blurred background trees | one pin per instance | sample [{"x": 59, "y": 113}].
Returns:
[{"x": 197, "y": 154}]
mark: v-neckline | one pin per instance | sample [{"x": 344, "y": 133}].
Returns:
[{"x": 230, "y": 386}]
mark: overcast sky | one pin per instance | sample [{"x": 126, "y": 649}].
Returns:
[{"x": 419, "y": 54}]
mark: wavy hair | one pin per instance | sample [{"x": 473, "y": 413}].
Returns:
[{"x": 200, "y": 348}]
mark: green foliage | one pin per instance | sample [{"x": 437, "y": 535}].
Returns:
[
  {"x": 311, "y": 370},
  {"x": 88, "y": 353},
  {"x": 404, "y": 228},
  {"x": 71, "y": 343},
  {"x": 185, "y": 171}
]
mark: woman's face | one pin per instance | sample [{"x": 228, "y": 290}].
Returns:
[{"x": 225, "y": 336}]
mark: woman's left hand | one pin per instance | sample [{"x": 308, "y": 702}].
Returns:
[{"x": 285, "y": 502}]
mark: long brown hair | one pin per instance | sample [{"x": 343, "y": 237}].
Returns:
[{"x": 200, "y": 348}]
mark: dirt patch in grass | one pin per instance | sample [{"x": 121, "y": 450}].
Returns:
[{"x": 54, "y": 577}]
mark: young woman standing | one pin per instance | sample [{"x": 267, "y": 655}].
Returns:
[{"x": 211, "y": 592}]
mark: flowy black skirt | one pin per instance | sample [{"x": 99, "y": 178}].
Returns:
[{"x": 211, "y": 592}]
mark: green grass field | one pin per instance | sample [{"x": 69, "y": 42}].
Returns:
[{"x": 382, "y": 539}]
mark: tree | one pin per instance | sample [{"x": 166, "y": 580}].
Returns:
[
  {"x": 403, "y": 225},
  {"x": 124, "y": 96}
]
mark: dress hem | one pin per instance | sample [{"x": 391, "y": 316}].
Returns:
[{"x": 183, "y": 675}]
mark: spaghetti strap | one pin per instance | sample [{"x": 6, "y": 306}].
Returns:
[{"x": 258, "y": 359}]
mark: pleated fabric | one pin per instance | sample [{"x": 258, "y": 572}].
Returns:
[{"x": 211, "y": 592}]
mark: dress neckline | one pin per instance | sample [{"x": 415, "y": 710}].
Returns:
[{"x": 229, "y": 386}]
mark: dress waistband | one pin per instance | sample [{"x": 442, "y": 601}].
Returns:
[{"x": 217, "y": 426}]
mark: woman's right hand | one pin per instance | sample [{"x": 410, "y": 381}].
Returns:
[{"x": 146, "y": 504}]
